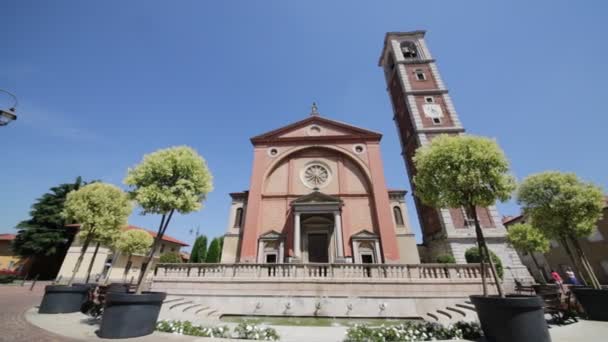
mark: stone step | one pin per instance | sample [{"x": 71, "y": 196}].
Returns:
[
  {"x": 179, "y": 304},
  {"x": 172, "y": 299},
  {"x": 465, "y": 306},
  {"x": 459, "y": 313}
]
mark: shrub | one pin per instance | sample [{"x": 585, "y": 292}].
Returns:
[
  {"x": 472, "y": 256},
  {"x": 254, "y": 332},
  {"x": 7, "y": 278},
  {"x": 170, "y": 258},
  {"x": 412, "y": 331},
  {"x": 187, "y": 328},
  {"x": 446, "y": 259}
]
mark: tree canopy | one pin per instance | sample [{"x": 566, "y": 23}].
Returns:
[
  {"x": 134, "y": 241},
  {"x": 199, "y": 250},
  {"x": 215, "y": 251},
  {"x": 472, "y": 256},
  {"x": 44, "y": 233},
  {"x": 170, "y": 258},
  {"x": 463, "y": 170},
  {"x": 561, "y": 204},
  {"x": 526, "y": 238},
  {"x": 175, "y": 178}
]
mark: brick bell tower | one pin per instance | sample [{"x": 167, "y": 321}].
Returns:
[{"x": 423, "y": 109}]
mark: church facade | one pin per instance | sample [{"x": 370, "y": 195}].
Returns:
[{"x": 318, "y": 195}]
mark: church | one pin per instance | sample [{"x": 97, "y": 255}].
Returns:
[{"x": 318, "y": 195}]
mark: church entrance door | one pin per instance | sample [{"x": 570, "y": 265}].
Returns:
[{"x": 318, "y": 246}]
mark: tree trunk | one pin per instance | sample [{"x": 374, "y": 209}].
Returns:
[
  {"x": 540, "y": 270},
  {"x": 127, "y": 268},
  {"x": 485, "y": 252},
  {"x": 83, "y": 250},
  {"x": 91, "y": 263},
  {"x": 586, "y": 264},
  {"x": 564, "y": 242},
  {"x": 114, "y": 258},
  {"x": 159, "y": 236}
]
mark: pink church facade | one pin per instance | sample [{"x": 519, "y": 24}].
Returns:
[{"x": 318, "y": 195}]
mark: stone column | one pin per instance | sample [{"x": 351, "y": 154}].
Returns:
[
  {"x": 261, "y": 252},
  {"x": 356, "y": 259},
  {"x": 281, "y": 252},
  {"x": 296, "y": 237},
  {"x": 338, "y": 232},
  {"x": 378, "y": 254}
]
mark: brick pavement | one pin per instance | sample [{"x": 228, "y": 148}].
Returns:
[{"x": 14, "y": 301}]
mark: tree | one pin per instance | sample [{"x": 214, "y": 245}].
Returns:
[
  {"x": 564, "y": 208},
  {"x": 215, "y": 251},
  {"x": 166, "y": 181},
  {"x": 170, "y": 258},
  {"x": 199, "y": 250},
  {"x": 464, "y": 171},
  {"x": 100, "y": 209},
  {"x": 472, "y": 256},
  {"x": 44, "y": 235},
  {"x": 132, "y": 241},
  {"x": 446, "y": 259},
  {"x": 526, "y": 238}
]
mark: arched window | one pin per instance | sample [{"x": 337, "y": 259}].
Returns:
[
  {"x": 409, "y": 50},
  {"x": 398, "y": 216},
  {"x": 238, "y": 219}
]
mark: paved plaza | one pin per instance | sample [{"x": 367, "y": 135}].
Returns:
[{"x": 21, "y": 322}]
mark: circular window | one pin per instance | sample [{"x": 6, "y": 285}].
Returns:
[
  {"x": 315, "y": 175},
  {"x": 359, "y": 148},
  {"x": 273, "y": 152},
  {"x": 314, "y": 130}
]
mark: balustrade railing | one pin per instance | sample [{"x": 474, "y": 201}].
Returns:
[{"x": 321, "y": 271}]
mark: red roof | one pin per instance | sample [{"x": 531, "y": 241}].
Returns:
[
  {"x": 7, "y": 237},
  {"x": 153, "y": 234}
]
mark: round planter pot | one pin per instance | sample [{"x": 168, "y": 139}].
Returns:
[
  {"x": 514, "y": 318},
  {"x": 594, "y": 302},
  {"x": 118, "y": 287},
  {"x": 63, "y": 298},
  {"x": 130, "y": 315}
]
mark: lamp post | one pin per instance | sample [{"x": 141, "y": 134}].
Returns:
[{"x": 8, "y": 115}]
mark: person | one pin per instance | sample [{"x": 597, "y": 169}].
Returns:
[
  {"x": 572, "y": 277},
  {"x": 558, "y": 279}
]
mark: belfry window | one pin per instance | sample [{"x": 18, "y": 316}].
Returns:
[
  {"x": 398, "y": 216},
  {"x": 408, "y": 49},
  {"x": 238, "y": 218}
]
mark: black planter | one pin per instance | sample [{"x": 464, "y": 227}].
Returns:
[
  {"x": 63, "y": 298},
  {"x": 515, "y": 318},
  {"x": 118, "y": 287},
  {"x": 130, "y": 315},
  {"x": 594, "y": 302}
]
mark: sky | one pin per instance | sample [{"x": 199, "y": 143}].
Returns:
[{"x": 101, "y": 83}]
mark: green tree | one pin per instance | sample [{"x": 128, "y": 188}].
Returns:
[
  {"x": 472, "y": 256},
  {"x": 524, "y": 237},
  {"x": 564, "y": 208},
  {"x": 464, "y": 171},
  {"x": 199, "y": 250},
  {"x": 101, "y": 210},
  {"x": 166, "y": 181},
  {"x": 215, "y": 251},
  {"x": 130, "y": 242},
  {"x": 170, "y": 258},
  {"x": 44, "y": 234},
  {"x": 446, "y": 259}
]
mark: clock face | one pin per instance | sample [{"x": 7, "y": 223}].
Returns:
[{"x": 432, "y": 110}]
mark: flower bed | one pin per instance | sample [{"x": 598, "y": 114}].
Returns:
[
  {"x": 412, "y": 331},
  {"x": 242, "y": 331}
]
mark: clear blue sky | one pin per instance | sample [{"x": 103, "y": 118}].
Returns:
[{"x": 103, "y": 82}]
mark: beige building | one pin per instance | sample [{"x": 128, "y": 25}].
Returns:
[
  {"x": 8, "y": 259},
  {"x": 595, "y": 248},
  {"x": 105, "y": 265}
]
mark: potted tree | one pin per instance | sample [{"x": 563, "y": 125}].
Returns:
[
  {"x": 526, "y": 238},
  {"x": 567, "y": 209},
  {"x": 101, "y": 209},
  {"x": 130, "y": 242},
  {"x": 470, "y": 172},
  {"x": 167, "y": 181}
]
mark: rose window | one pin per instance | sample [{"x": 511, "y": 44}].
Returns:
[{"x": 315, "y": 176}]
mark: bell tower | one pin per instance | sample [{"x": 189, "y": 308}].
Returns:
[{"x": 423, "y": 109}]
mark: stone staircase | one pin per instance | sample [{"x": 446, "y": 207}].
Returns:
[
  {"x": 187, "y": 309},
  {"x": 464, "y": 311}
]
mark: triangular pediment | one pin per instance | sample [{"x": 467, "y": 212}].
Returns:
[
  {"x": 273, "y": 234},
  {"x": 364, "y": 234},
  {"x": 316, "y": 127},
  {"x": 316, "y": 197}
]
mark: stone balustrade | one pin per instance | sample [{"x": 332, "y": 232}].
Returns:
[{"x": 339, "y": 272}]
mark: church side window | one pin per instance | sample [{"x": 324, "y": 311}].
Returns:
[
  {"x": 398, "y": 216},
  {"x": 420, "y": 76},
  {"x": 238, "y": 219}
]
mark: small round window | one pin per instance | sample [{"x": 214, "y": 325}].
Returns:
[
  {"x": 359, "y": 148},
  {"x": 273, "y": 151},
  {"x": 314, "y": 130}
]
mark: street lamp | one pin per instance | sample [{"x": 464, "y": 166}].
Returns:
[{"x": 8, "y": 115}]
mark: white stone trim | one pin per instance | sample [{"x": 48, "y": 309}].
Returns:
[{"x": 424, "y": 49}]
